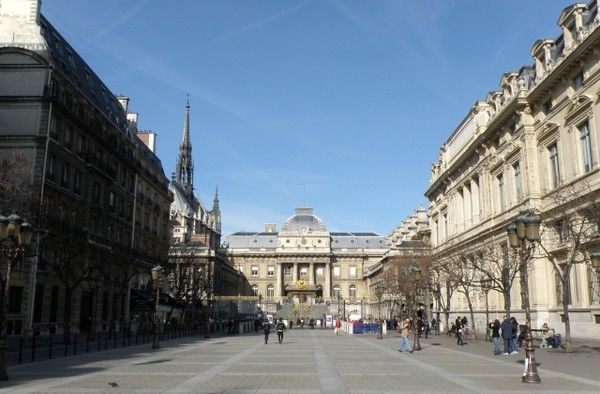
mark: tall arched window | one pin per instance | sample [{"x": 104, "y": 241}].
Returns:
[
  {"x": 336, "y": 290},
  {"x": 270, "y": 292},
  {"x": 352, "y": 291},
  {"x": 255, "y": 290}
]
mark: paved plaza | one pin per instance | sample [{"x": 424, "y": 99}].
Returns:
[{"x": 308, "y": 361}]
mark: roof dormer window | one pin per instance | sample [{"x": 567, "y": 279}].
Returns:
[{"x": 578, "y": 81}]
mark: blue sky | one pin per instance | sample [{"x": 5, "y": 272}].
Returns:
[{"x": 340, "y": 105}]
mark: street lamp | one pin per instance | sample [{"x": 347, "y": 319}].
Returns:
[
  {"x": 157, "y": 272},
  {"x": 15, "y": 237},
  {"x": 523, "y": 233},
  {"x": 486, "y": 285},
  {"x": 415, "y": 276},
  {"x": 595, "y": 260},
  {"x": 379, "y": 289}
]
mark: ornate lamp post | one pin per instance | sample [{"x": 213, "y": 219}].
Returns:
[
  {"x": 523, "y": 233},
  {"x": 486, "y": 285},
  {"x": 15, "y": 236},
  {"x": 415, "y": 276},
  {"x": 379, "y": 289},
  {"x": 157, "y": 272}
]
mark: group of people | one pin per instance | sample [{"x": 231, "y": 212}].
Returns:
[
  {"x": 508, "y": 330},
  {"x": 279, "y": 328}
]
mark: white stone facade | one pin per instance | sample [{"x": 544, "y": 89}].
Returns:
[{"x": 533, "y": 139}]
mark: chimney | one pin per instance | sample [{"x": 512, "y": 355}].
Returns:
[{"x": 124, "y": 101}]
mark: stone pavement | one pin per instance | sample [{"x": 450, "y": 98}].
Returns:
[{"x": 308, "y": 361}]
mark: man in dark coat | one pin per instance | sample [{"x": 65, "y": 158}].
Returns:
[{"x": 507, "y": 335}]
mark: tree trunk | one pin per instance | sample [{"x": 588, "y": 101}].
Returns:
[
  {"x": 566, "y": 285},
  {"x": 507, "y": 304},
  {"x": 471, "y": 314},
  {"x": 67, "y": 314},
  {"x": 447, "y": 309}
]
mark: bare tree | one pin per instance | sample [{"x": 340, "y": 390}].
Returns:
[
  {"x": 16, "y": 193},
  {"x": 66, "y": 252},
  {"x": 441, "y": 280},
  {"x": 494, "y": 263},
  {"x": 571, "y": 228}
]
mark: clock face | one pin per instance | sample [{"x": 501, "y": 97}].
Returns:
[{"x": 304, "y": 230}]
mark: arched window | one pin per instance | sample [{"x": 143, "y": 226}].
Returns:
[
  {"x": 352, "y": 291},
  {"x": 270, "y": 292},
  {"x": 336, "y": 290},
  {"x": 255, "y": 290}
]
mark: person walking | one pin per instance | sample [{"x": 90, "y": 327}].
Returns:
[
  {"x": 338, "y": 326},
  {"x": 267, "y": 330},
  {"x": 495, "y": 326},
  {"x": 404, "y": 329},
  {"x": 515, "y": 334},
  {"x": 459, "y": 330},
  {"x": 280, "y": 327},
  {"x": 507, "y": 335}
]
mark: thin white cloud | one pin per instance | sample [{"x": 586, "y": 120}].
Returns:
[
  {"x": 349, "y": 13},
  {"x": 261, "y": 22}
]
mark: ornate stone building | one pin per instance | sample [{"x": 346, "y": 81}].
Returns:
[
  {"x": 96, "y": 189},
  {"x": 306, "y": 262},
  {"x": 526, "y": 146}
]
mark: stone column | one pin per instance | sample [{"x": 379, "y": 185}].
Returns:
[
  {"x": 279, "y": 273},
  {"x": 327, "y": 287},
  {"x": 311, "y": 273},
  {"x": 295, "y": 272}
]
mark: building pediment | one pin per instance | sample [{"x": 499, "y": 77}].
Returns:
[{"x": 579, "y": 104}]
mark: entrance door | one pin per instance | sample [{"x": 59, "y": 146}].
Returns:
[{"x": 86, "y": 313}]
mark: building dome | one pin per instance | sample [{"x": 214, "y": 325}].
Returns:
[{"x": 304, "y": 221}]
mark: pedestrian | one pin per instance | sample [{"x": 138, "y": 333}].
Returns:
[
  {"x": 302, "y": 324},
  {"x": 267, "y": 330},
  {"x": 506, "y": 327},
  {"x": 291, "y": 323},
  {"x": 280, "y": 327},
  {"x": 515, "y": 334},
  {"x": 434, "y": 326},
  {"x": 459, "y": 332},
  {"x": 496, "y": 336},
  {"x": 338, "y": 325},
  {"x": 404, "y": 329}
]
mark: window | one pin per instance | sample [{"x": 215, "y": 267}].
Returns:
[
  {"x": 554, "y": 165},
  {"x": 50, "y": 167},
  {"x": 77, "y": 182},
  {"x": 111, "y": 201},
  {"x": 518, "y": 182},
  {"x": 241, "y": 268},
  {"x": 303, "y": 272},
  {"x": 586, "y": 146},
  {"x": 336, "y": 290},
  {"x": 352, "y": 271},
  {"x": 336, "y": 271},
  {"x": 352, "y": 291},
  {"x": 255, "y": 290},
  {"x": 548, "y": 106},
  {"x": 270, "y": 271},
  {"x": 287, "y": 271},
  {"x": 64, "y": 177},
  {"x": 15, "y": 299},
  {"x": 501, "y": 196},
  {"x": 254, "y": 270},
  {"x": 97, "y": 192},
  {"x": 578, "y": 81},
  {"x": 270, "y": 292},
  {"x": 562, "y": 228},
  {"x": 319, "y": 271}
]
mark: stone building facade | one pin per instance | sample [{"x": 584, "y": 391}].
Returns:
[
  {"x": 527, "y": 143},
  {"x": 97, "y": 190},
  {"x": 305, "y": 262}
]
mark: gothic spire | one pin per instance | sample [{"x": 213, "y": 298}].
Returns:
[
  {"x": 216, "y": 211},
  {"x": 184, "y": 172}
]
